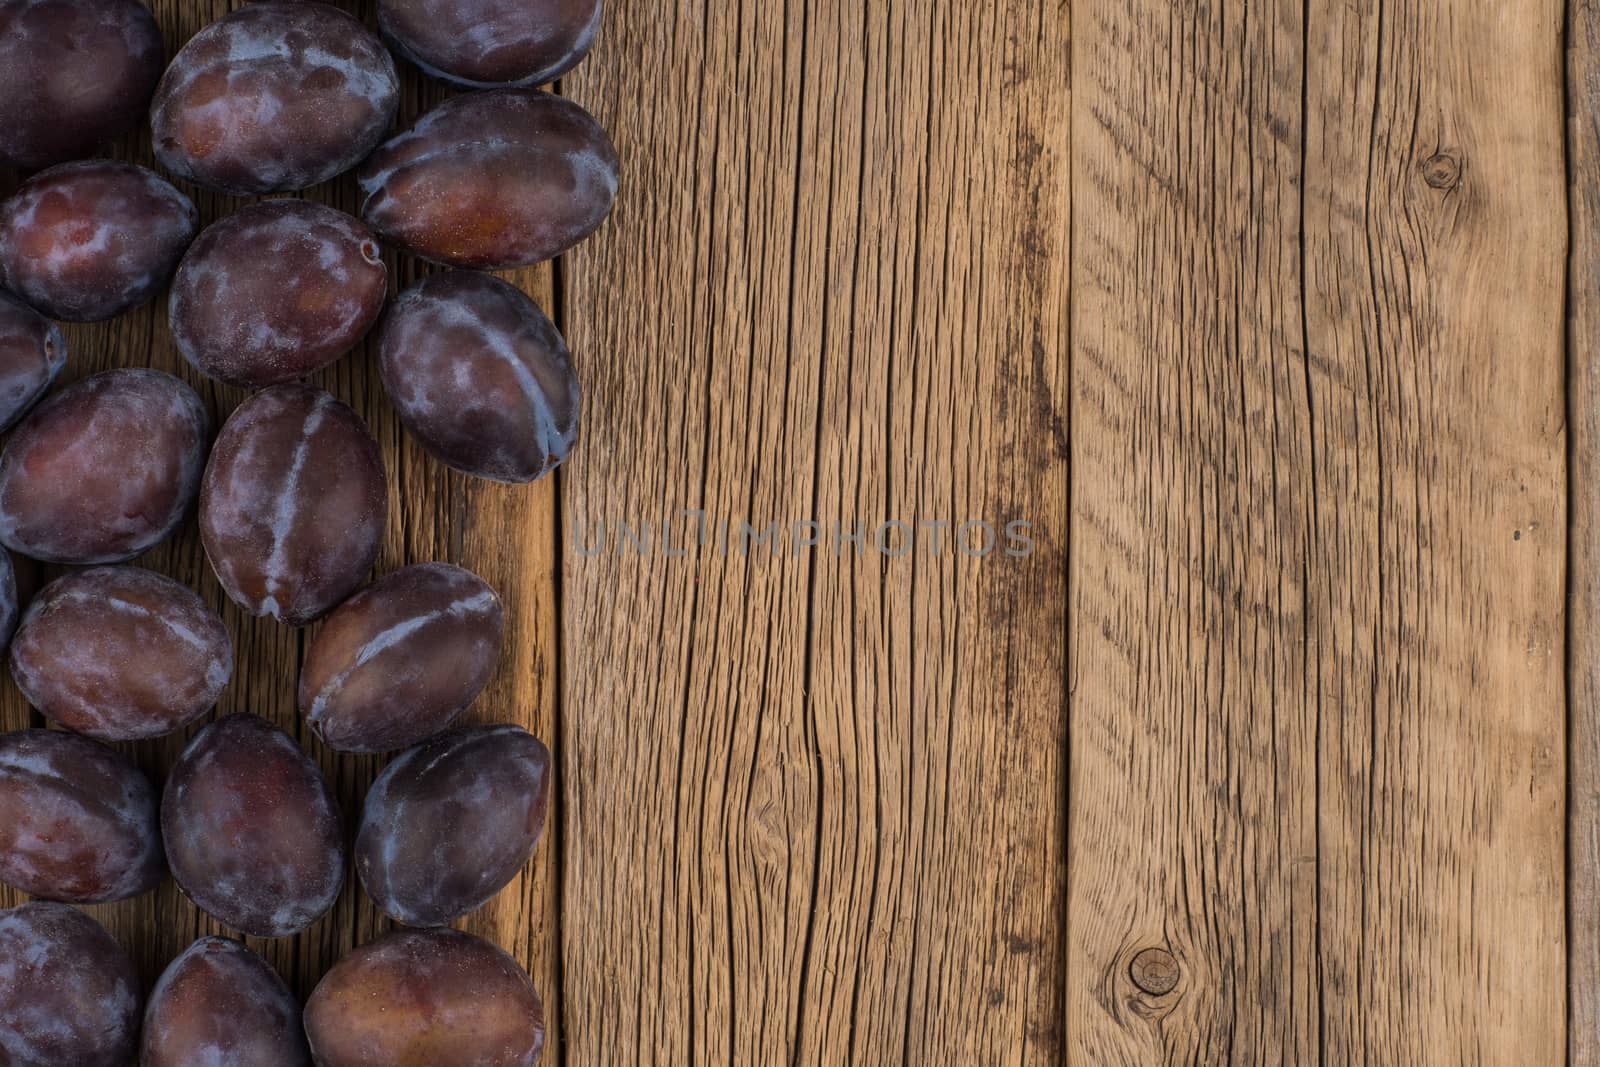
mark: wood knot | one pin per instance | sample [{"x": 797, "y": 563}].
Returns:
[
  {"x": 1154, "y": 971},
  {"x": 1441, "y": 170}
]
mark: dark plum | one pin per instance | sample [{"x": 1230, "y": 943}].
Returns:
[
  {"x": 78, "y": 823},
  {"x": 252, "y": 832},
  {"x": 74, "y": 74},
  {"x": 121, "y": 653},
  {"x": 272, "y": 97},
  {"x": 32, "y": 353},
  {"x": 449, "y": 823},
  {"x": 492, "y": 42},
  {"x": 402, "y": 658},
  {"x": 490, "y": 180},
  {"x": 293, "y": 505},
  {"x": 421, "y": 998},
  {"x": 104, "y": 469},
  {"x": 480, "y": 376},
  {"x": 275, "y": 291},
  {"x": 86, "y": 241},
  {"x": 220, "y": 1003},
  {"x": 68, "y": 993}
]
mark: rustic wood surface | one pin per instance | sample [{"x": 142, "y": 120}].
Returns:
[
  {"x": 815, "y": 798},
  {"x": 1276, "y": 322},
  {"x": 1318, "y": 533},
  {"x": 1583, "y": 421}
]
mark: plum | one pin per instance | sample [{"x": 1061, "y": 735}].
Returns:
[
  {"x": 480, "y": 376},
  {"x": 275, "y": 96},
  {"x": 121, "y": 653},
  {"x": 32, "y": 353},
  {"x": 220, "y": 1003},
  {"x": 421, "y": 998},
  {"x": 68, "y": 993},
  {"x": 293, "y": 504},
  {"x": 449, "y": 823},
  {"x": 399, "y": 660},
  {"x": 492, "y": 42},
  {"x": 104, "y": 469},
  {"x": 275, "y": 291},
  {"x": 252, "y": 832},
  {"x": 496, "y": 179},
  {"x": 86, "y": 241},
  {"x": 78, "y": 823},
  {"x": 74, "y": 74}
]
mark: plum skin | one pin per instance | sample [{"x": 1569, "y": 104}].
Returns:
[
  {"x": 252, "y": 832},
  {"x": 219, "y": 1002},
  {"x": 449, "y": 823},
  {"x": 32, "y": 353},
  {"x": 68, "y": 992},
  {"x": 487, "y": 43},
  {"x": 273, "y": 97},
  {"x": 397, "y": 662},
  {"x": 480, "y": 376},
  {"x": 74, "y": 74},
  {"x": 420, "y": 998},
  {"x": 78, "y": 823},
  {"x": 121, "y": 654},
  {"x": 293, "y": 504},
  {"x": 491, "y": 180},
  {"x": 104, "y": 469},
  {"x": 83, "y": 242},
  {"x": 275, "y": 291}
]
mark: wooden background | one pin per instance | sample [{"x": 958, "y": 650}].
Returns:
[{"x": 1279, "y": 323}]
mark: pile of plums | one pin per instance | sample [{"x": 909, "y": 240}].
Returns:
[{"x": 292, "y": 502}]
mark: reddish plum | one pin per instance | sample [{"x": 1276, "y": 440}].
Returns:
[
  {"x": 74, "y": 74},
  {"x": 492, "y": 42},
  {"x": 489, "y": 180},
  {"x": 68, "y": 993},
  {"x": 78, "y": 823},
  {"x": 480, "y": 376},
  {"x": 275, "y": 291},
  {"x": 220, "y": 1003},
  {"x": 87, "y": 241},
  {"x": 421, "y": 998},
  {"x": 402, "y": 658},
  {"x": 121, "y": 653},
  {"x": 251, "y": 830},
  {"x": 104, "y": 469},
  {"x": 294, "y": 503},
  {"x": 274, "y": 96},
  {"x": 449, "y": 823}
]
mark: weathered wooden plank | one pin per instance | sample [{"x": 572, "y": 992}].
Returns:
[
  {"x": 1435, "y": 238},
  {"x": 1583, "y": 527},
  {"x": 1318, "y": 534},
  {"x": 815, "y": 796},
  {"x": 506, "y": 534},
  {"x": 1193, "y": 820}
]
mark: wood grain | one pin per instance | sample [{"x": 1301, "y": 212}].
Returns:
[
  {"x": 1269, "y": 767},
  {"x": 1318, "y": 534},
  {"x": 815, "y": 797},
  {"x": 1193, "y": 804},
  {"x": 1583, "y": 554},
  {"x": 1441, "y": 849},
  {"x": 504, "y": 533}
]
